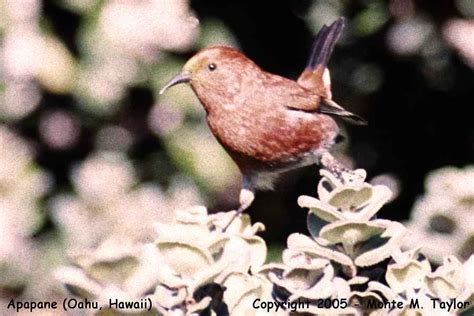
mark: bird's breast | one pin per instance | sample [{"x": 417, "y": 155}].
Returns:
[{"x": 267, "y": 137}]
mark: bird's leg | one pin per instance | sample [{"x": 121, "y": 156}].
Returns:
[
  {"x": 336, "y": 168},
  {"x": 246, "y": 198},
  {"x": 331, "y": 164}
]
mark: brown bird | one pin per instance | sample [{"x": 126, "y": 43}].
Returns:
[{"x": 268, "y": 124}]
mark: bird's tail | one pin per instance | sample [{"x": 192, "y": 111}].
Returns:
[
  {"x": 316, "y": 77},
  {"x": 324, "y": 44}
]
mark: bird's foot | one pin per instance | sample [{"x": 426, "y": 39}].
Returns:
[
  {"x": 246, "y": 198},
  {"x": 335, "y": 167},
  {"x": 240, "y": 210}
]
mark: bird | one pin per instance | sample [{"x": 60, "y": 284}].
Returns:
[{"x": 268, "y": 124}]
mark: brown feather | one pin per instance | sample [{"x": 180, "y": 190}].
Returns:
[
  {"x": 313, "y": 80},
  {"x": 313, "y": 77}
]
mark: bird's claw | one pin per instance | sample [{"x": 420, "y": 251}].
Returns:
[
  {"x": 344, "y": 174},
  {"x": 246, "y": 198},
  {"x": 240, "y": 210}
]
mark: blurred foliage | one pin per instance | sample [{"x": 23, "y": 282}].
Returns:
[{"x": 442, "y": 221}]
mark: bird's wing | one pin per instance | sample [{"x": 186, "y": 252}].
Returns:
[
  {"x": 328, "y": 106},
  {"x": 289, "y": 94},
  {"x": 302, "y": 100},
  {"x": 316, "y": 77}
]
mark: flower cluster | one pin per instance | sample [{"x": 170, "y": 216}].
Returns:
[
  {"x": 191, "y": 266},
  {"x": 351, "y": 259},
  {"x": 442, "y": 220},
  {"x": 22, "y": 185},
  {"x": 349, "y": 249}
]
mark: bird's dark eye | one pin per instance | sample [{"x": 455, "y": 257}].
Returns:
[{"x": 212, "y": 66}]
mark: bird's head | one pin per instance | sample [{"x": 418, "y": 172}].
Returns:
[{"x": 215, "y": 71}]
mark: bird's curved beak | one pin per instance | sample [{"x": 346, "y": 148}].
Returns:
[{"x": 179, "y": 78}]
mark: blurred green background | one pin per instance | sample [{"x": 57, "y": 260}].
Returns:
[{"x": 89, "y": 150}]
